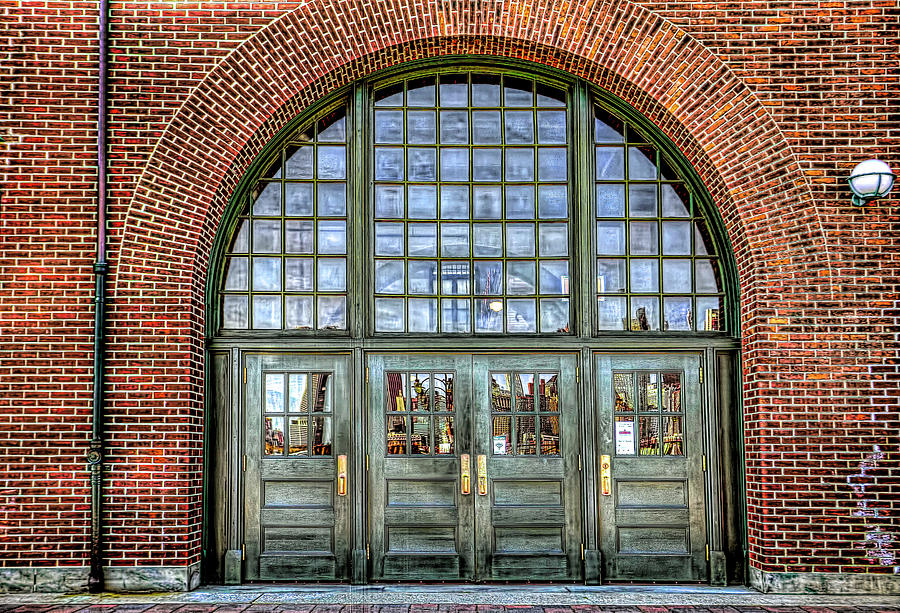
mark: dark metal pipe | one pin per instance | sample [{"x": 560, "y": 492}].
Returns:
[{"x": 95, "y": 453}]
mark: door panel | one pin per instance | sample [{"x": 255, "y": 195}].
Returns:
[
  {"x": 528, "y": 520},
  {"x": 296, "y": 425},
  {"x": 420, "y": 523},
  {"x": 652, "y": 513}
]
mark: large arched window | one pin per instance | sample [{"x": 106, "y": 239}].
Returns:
[{"x": 471, "y": 203}]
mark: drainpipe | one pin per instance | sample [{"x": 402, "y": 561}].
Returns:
[{"x": 95, "y": 453}]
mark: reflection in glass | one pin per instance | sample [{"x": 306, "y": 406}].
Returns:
[
  {"x": 389, "y": 277},
  {"x": 443, "y": 391},
  {"x": 421, "y": 128},
  {"x": 388, "y": 201},
  {"x": 678, "y": 314},
  {"x": 443, "y": 434},
  {"x": 298, "y": 164},
  {"x": 552, "y": 164},
  {"x": 454, "y": 278},
  {"x": 454, "y": 202},
  {"x": 266, "y": 236},
  {"x": 486, "y": 127},
  {"x": 235, "y": 312},
  {"x": 389, "y": 164},
  {"x": 553, "y": 239},
  {"x": 644, "y": 313},
  {"x": 644, "y": 275},
  {"x": 487, "y": 240},
  {"x": 501, "y": 435},
  {"x": 331, "y": 162},
  {"x": 420, "y": 436},
  {"x": 298, "y": 312},
  {"x": 676, "y": 276},
  {"x": 454, "y": 127},
  {"x": 298, "y": 396},
  {"x": 389, "y": 314},
  {"x": 488, "y": 278},
  {"x": 644, "y": 238},
  {"x": 298, "y": 274},
  {"x": 396, "y": 391},
  {"x": 422, "y": 201},
  {"x": 519, "y": 127},
  {"x": 520, "y": 316},
  {"x": 610, "y": 163},
  {"x": 237, "y": 275},
  {"x": 611, "y": 313},
  {"x": 321, "y": 392},
  {"x": 675, "y": 200},
  {"x": 396, "y": 434},
  {"x": 419, "y": 391},
  {"x": 708, "y": 312},
  {"x": 422, "y": 277},
  {"x": 274, "y": 393},
  {"x": 526, "y": 439},
  {"x": 454, "y": 239},
  {"x": 553, "y": 201},
  {"x": 298, "y": 435},
  {"x": 647, "y": 391},
  {"x": 420, "y": 92},
  {"x": 332, "y": 200},
  {"x": 422, "y": 239},
  {"x": 268, "y": 200},
  {"x": 241, "y": 242},
  {"x": 298, "y": 236},
  {"x": 332, "y": 312},
  {"x": 610, "y": 276},
  {"x": 551, "y": 127},
  {"x": 520, "y": 277},
  {"x": 454, "y": 165},
  {"x": 554, "y": 315},
  {"x": 641, "y": 163},
  {"x": 389, "y": 238},
  {"x": 623, "y": 391},
  {"x": 487, "y": 165},
  {"x": 501, "y": 393},
  {"x": 673, "y": 438},
  {"x": 642, "y": 200},
  {"x": 489, "y": 315},
  {"x": 554, "y": 277},
  {"x": 332, "y": 237},
  {"x": 455, "y": 315},
  {"x": 388, "y": 126},
  {"x": 608, "y": 128},
  {"x": 549, "y": 434},
  {"x": 524, "y": 392},
  {"x": 332, "y": 273},
  {"x": 610, "y": 238},
  {"x": 671, "y": 392},
  {"x": 266, "y": 312},
  {"x": 648, "y": 438},
  {"x": 422, "y": 314},
  {"x": 517, "y": 92},
  {"x": 520, "y": 165},
  {"x": 488, "y": 202},
  {"x": 610, "y": 200},
  {"x": 548, "y": 389},
  {"x": 298, "y": 199},
  {"x": 676, "y": 237},
  {"x": 706, "y": 277},
  {"x": 274, "y": 436},
  {"x": 520, "y": 240},
  {"x": 485, "y": 90}
]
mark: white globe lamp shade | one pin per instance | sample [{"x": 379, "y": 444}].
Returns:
[{"x": 870, "y": 179}]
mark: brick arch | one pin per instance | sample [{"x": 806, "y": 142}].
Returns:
[{"x": 714, "y": 119}]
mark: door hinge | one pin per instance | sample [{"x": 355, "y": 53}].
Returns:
[
  {"x": 243, "y": 552},
  {"x": 701, "y": 374},
  {"x": 367, "y": 551},
  {"x": 579, "y": 462},
  {"x": 707, "y": 552},
  {"x": 367, "y": 374},
  {"x": 704, "y": 462},
  {"x": 244, "y": 463},
  {"x": 245, "y": 375},
  {"x": 577, "y": 374},
  {"x": 367, "y": 462},
  {"x": 582, "y": 552}
]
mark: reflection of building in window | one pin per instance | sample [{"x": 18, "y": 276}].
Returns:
[
  {"x": 500, "y": 394},
  {"x": 274, "y": 436}
]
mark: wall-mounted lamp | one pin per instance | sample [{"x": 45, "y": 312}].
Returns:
[{"x": 870, "y": 180}]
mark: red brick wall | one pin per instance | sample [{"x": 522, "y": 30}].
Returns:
[{"x": 772, "y": 103}]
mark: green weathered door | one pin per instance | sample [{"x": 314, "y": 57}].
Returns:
[
  {"x": 652, "y": 508},
  {"x": 527, "y": 428},
  {"x": 420, "y": 519},
  {"x": 296, "y": 436}
]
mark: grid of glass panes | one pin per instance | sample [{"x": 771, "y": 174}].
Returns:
[
  {"x": 287, "y": 265},
  {"x": 656, "y": 268},
  {"x": 519, "y": 425},
  {"x": 419, "y": 413},
  {"x": 471, "y": 206},
  {"x": 649, "y": 415},
  {"x": 297, "y": 419}
]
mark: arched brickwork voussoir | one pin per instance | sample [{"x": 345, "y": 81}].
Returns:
[{"x": 714, "y": 119}]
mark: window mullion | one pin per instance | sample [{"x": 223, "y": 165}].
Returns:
[
  {"x": 583, "y": 294},
  {"x": 358, "y": 285}
]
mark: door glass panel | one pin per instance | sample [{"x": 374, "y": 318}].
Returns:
[
  {"x": 647, "y": 392},
  {"x": 396, "y": 434},
  {"x": 443, "y": 391},
  {"x": 443, "y": 434},
  {"x": 431, "y": 427},
  {"x": 420, "y": 438},
  {"x": 659, "y": 403},
  {"x": 298, "y": 393},
  {"x": 671, "y": 392},
  {"x": 500, "y": 393},
  {"x": 298, "y": 428},
  {"x": 525, "y": 393},
  {"x": 525, "y": 435},
  {"x": 274, "y": 393},
  {"x": 420, "y": 392},
  {"x": 624, "y": 392},
  {"x": 274, "y": 436},
  {"x": 549, "y": 392},
  {"x": 501, "y": 431},
  {"x": 648, "y": 441},
  {"x": 322, "y": 435},
  {"x": 624, "y": 435},
  {"x": 550, "y": 435},
  {"x": 321, "y": 388},
  {"x": 672, "y": 443}
]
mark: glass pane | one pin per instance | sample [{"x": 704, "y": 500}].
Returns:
[
  {"x": 519, "y": 127},
  {"x": 420, "y": 391},
  {"x": 524, "y": 393},
  {"x": 642, "y": 200},
  {"x": 422, "y": 277},
  {"x": 389, "y": 314},
  {"x": 517, "y": 92},
  {"x": 548, "y": 388},
  {"x": 332, "y": 237},
  {"x": 298, "y": 199},
  {"x": 550, "y": 96},
  {"x": 274, "y": 393},
  {"x": 608, "y": 128},
  {"x": 388, "y": 126},
  {"x": 391, "y": 95},
  {"x": 611, "y": 313},
  {"x": 241, "y": 242},
  {"x": 645, "y": 313},
  {"x": 676, "y": 276},
  {"x": 298, "y": 164},
  {"x": 443, "y": 434},
  {"x": 455, "y": 316},
  {"x": 487, "y": 240},
  {"x": 520, "y": 240},
  {"x": 501, "y": 398},
  {"x": 422, "y": 315},
  {"x": 671, "y": 392},
  {"x": 489, "y": 315},
  {"x": 647, "y": 392},
  {"x": 268, "y": 202},
  {"x": 298, "y": 435},
  {"x": 396, "y": 391},
  {"x": 610, "y": 238},
  {"x": 488, "y": 278},
  {"x": 678, "y": 314},
  {"x": 332, "y": 313},
  {"x": 421, "y": 127},
  {"x": 485, "y": 90},
  {"x": 675, "y": 200},
  {"x": 501, "y": 435},
  {"x": 332, "y": 199},
  {"x": 676, "y": 237},
  {"x": 624, "y": 435},
  {"x": 554, "y": 277},
  {"x": 266, "y": 274},
  {"x": 396, "y": 434},
  {"x": 298, "y": 393},
  {"x": 549, "y": 434},
  {"x": 298, "y": 274},
  {"x": 551, "y": 127},
  {"x": 552, "y": 164},
  {"x": 706, "y": 277},
  {"x": 332, "y": 162},
  {"x": 388, "y": 201},
  {"x": 332, "y": 273},
  {"x": 298, "y": 312},
  {"x": 332, "y": 130},
  {"x": 520, "y": 316},
  {"x": 266, "y": 236},
  {"x": 610, "y": 200},
  {"x": 237, "y": 275},
  {"x": 454, "y": 165},
  {"x": 454, "y": 127},
  {"x": 709, "y": 314},
  {"x": 389, "y": 277},
  {"x": 526, "y": 442},
  {"x": 703, "y": 242},
  {"x": 520, "y": 202},
  {"x": 267, "y": 312},
  {"x": 487, "y": 165},
  {"x": 520, "y": 277},
  {"x": 673, "y": 439},
  {"x": 454, "y": 278},
  {"x": 443, "y": 392},
  {"x": 610, "y": 276},
  {"x": 274, "y": 436},
  {"x": 454, "y": 90},
  {"x": 488, "y": 201},
  {"x": 388, "y": 164},
  {"x": 389, "y": 238},
  {"x": 644, "y": 275},
  {"x": 644, "y": 238},
  {"x": 555, "y": 315},
  {"x": 553, "y": 201},
  {"x": 422, "y": 201},
  {"x": 234, "y": 312},
  {"x": 298, "y": 236},
  {"x": 648, "y": 441},
  {"x": 420, "y": 437},
  {"x": 641, "y": 163},
  {"x": 454, "y": 201},
  {"x": 520, "y": 165},
  {"x": 420, "y": 92},
  {"x": 610, "y": 163},
  {"x": 486, "y": 127},
  {"x": 623, "y": 391},
  {"x": 422, "y": 240},
  {"x": 454, "y": 239},
  {"x": 422, "y": 164}
]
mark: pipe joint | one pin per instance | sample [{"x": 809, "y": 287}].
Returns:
[{"x": 101, "y": 268}]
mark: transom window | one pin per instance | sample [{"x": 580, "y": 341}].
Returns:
[{"x": 471, "y": 203}]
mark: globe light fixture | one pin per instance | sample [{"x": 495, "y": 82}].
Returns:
[{"x": 870, "y": 180}]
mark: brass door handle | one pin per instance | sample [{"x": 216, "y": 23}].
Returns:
[
  {"x": 482, "y": 475},
  {"x": 605, "y": 475},
  {"x": 464, "y": 474},
  {"x": 342, "y": 475}
]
